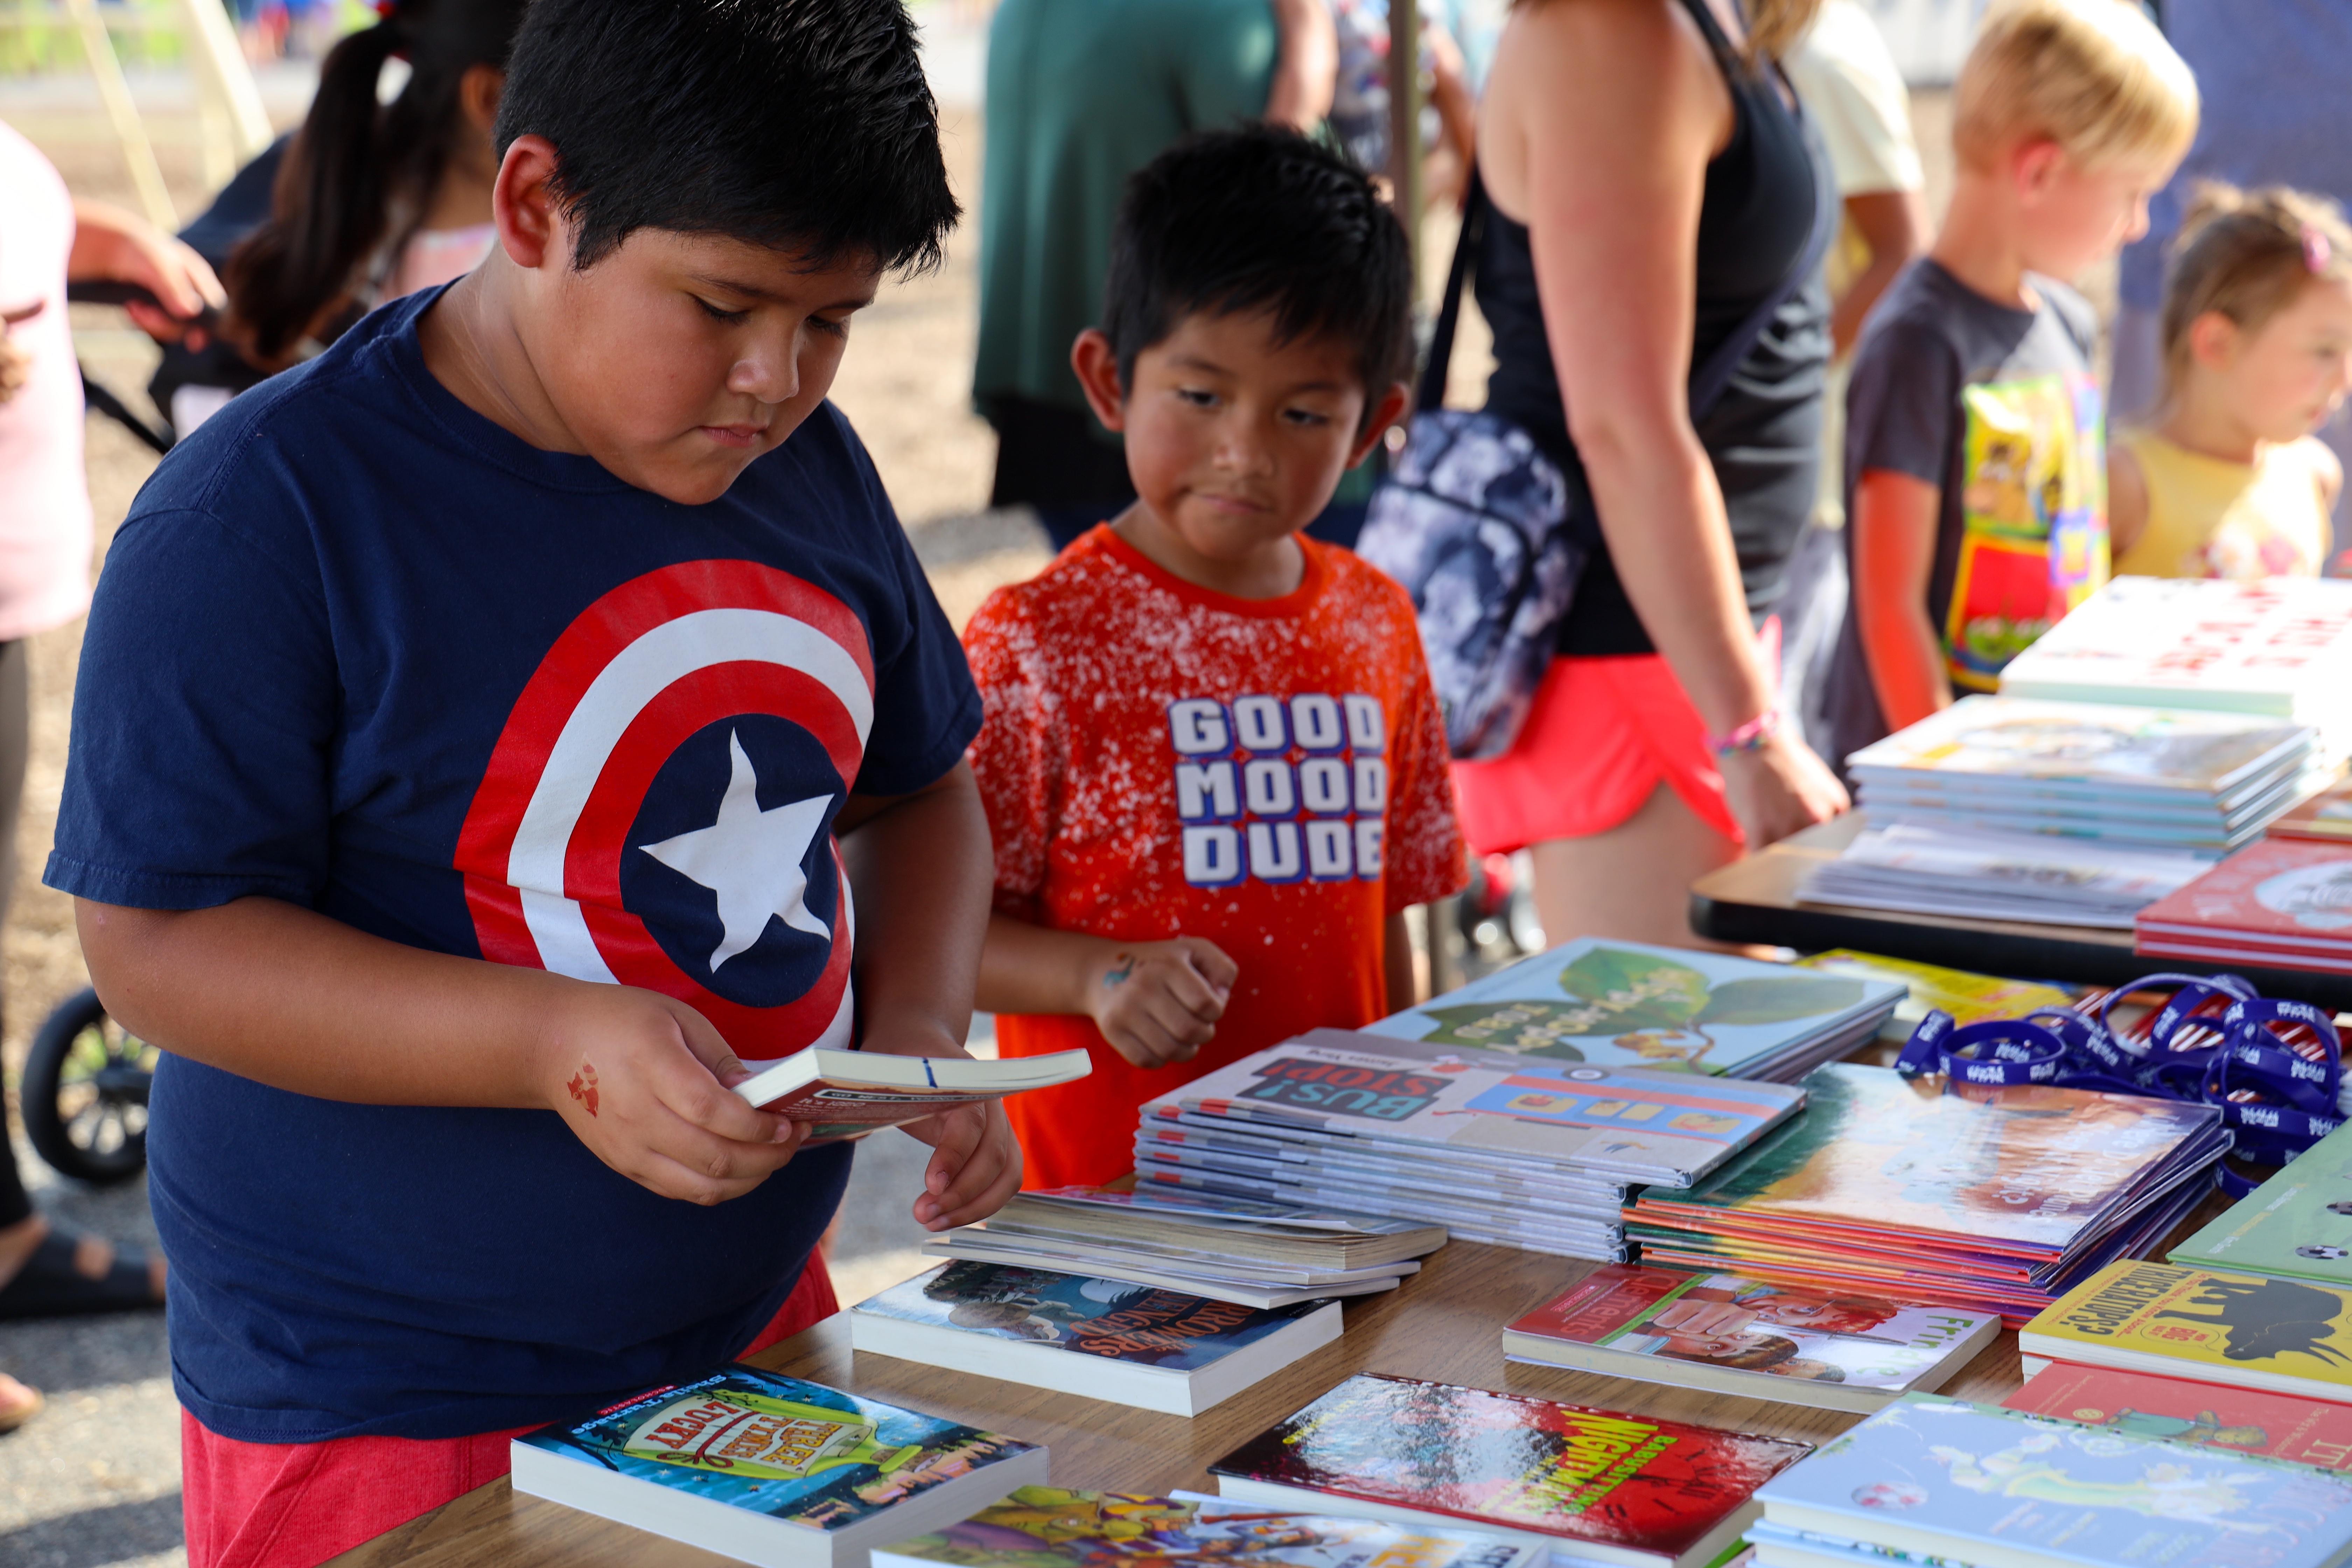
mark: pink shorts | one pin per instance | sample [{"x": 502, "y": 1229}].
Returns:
[
  {"x": 1604, "y": 733},
  {"x": 294, "y": 1505}
]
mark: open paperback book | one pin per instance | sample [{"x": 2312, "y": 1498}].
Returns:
[{"x": 847, "y": 1094}]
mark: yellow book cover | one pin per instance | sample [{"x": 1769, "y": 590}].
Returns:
[
  {"x": 2236, "y": 1329},
  {"x": 1968, "y": 996}
]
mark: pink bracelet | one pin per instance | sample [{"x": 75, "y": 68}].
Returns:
[{"x": 1748, "y": 737}]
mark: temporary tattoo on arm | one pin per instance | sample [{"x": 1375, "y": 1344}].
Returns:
[
  {"x": 584, "y": 1086},
  {"x": 1122, "y": 974}
]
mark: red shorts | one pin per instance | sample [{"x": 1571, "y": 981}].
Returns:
[
  {"x": 293, "y": 1505},
  {"x": 1604, "y": 733}
]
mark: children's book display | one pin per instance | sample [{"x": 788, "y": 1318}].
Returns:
[
  {"x": 2326, "y": 816},
  {"x": 1227, "y": 1249},
  {"x": 1982, "y": 875},
  {"x": 2301, "y": 1431},
  {"x": 1996, "y": 1199},
  {"x": 1727, "y": 1333},
  {"x": 769, "y": 1469},
  {"x": 1930, "y": 1481},
  {"x": 2296, "y": 1225},
  {"x": 1105, "y": 1338},
  {"x": 1966, "y": 997},
  {"x": 1051, "y": 1527},
  {"x": 2278, "y": 647},
  {"x": 1594, "y": 1486},
  {"x": 2282, "y": 1335},
  {"x": 2202, "y": 782},
  {"x": 1622, "y": 1004},
  {"x": 847, "y": 1094},
  {"x": 1519, "y": 1150},
  {"x": 2283, "y": 902}
]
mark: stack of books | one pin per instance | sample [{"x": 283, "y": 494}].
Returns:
[
  {"x": 2277, "y": 647},
  {"x": 2281, "y": 1336},
  {"x": 1105, "y": 1338},
  {"x": 769, "y": 1469},
  {"x": 1052, "y": 1527},
  {"x": 1994, "y": 1200},
  {"x": 1727, "y": 1334},
  {"x": 2326, "y": 816},
  {"x": 1589, "y": 1486},
  {"x": 1620, "y": 1003},
  {"x": 1931, "y": 1481},
  {"x": 2296, "y": 1225},
  {"x": 1521, "y": 1151},
  {"x": 2283, "y": 902},
  {"x": 1206, "y": 1244},
  {"x": 1999, "y": 876},
  {"x": 2137, "y": 778}
]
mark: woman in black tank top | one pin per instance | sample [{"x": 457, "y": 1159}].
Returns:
[{"x": 1653, "y": 184}]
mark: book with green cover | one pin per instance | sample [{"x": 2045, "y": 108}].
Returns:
[{"x": 2296, "y": 1225}]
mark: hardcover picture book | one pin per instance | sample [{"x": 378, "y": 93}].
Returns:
[
  {"x": 2277, "y": 1334},
  {"x": 1941, "y": 1479},
  {"x": 2315, "y": 1432},
  {"x": 2296, "y": 1225},
  {"x": 772, "y": 1470},
  {"x": 1592, "y": 1485},
  {"x": 1052, "y": 1527},
  {"x": 1105, "y": 1338},
  {"x": 848, "y": 1094},
  {"x": 1620, "y": 1004},
  {"x": 2004, "y": 748},
  {"x": 1730, "y": 1334},
  {"x": 1982, "y": 1199}
]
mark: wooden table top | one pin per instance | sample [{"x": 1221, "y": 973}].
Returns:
[{"x": 1446, "y": 1324}]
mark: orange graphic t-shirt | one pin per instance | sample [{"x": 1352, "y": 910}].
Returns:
[{"x": 1159, "y": 760}]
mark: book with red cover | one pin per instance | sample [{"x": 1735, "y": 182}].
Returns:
[
  {"x": 2326, "y": 816},
  {"x": 2294, "y": 895},
  {"x": 1592, "y": 1484},
  {"x": 2240, "y": 1420}
]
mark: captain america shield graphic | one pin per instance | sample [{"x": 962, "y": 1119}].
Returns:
[{"x": 658, "y": 810}]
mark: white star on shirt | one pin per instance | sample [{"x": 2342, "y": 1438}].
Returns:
[{"x": 751, "y": 858}]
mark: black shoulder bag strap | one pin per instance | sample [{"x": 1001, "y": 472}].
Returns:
[{"x": 1431, "y": 393}]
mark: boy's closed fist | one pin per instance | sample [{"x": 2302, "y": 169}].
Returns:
[
  {"x": 647, "y": 1084},
  {"x": 1158, "y": 1003}
]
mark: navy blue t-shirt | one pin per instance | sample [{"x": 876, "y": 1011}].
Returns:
[{"x": 361, "y": 649}]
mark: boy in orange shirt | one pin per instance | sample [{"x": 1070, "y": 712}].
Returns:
[{"x": 1211, "y": 758}]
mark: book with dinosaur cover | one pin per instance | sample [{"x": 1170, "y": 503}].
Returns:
[
  {"x": 2284, "y": 901},
  {"x": 847, "y": 1094},
  {"x": 1944, "y": 1481},
  {"x": 2296, "y": 1225},
  {"x": 2316, "y": 1432},
  {"x": 773, "y": 1470},
  {"x": 1105, "y": 1338},
  {"x": 1968, "y": 996},
  {"x": 1730, "y": 1334},
  {"x": 1982, "y": 1199},
  {"x": 2277, "y": 1334},
  {"x": 1052, "y": 1527},
  {"x": 1591, "y": 1485},
  {"x": 1620, "y": 1004}
]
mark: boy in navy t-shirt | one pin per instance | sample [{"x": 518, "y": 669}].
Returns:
[{"x": 465, "y": 729}]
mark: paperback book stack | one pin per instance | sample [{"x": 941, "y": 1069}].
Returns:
[
  {"x": 2283, "y": 902},
  {"x": 1225, "y": 1248},
  {"x": 1622, "y": 1004},
  {"x": 1932, "y": 1481},
  {"x": 2281, "y": 1336},
  {"x": 2132, "y": 777},
  {"x": 2278, "y": 647},
  {"x": 1522, "y": 1150},
  {"x": 1983, "y": 874},
  {"x": 1997, "y": 1200}
]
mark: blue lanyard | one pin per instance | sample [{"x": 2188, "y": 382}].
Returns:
[{"x": 2214, "y": 1042}]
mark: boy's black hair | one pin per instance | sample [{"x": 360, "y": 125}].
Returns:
[
  {"x": 804, "y": 124},
  {"x": 1259, "y": 218}
]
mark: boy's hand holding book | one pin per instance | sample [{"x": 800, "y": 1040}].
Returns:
[{"x": 975, "y": 1164}]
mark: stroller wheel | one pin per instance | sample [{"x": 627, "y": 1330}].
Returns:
[{"x": 85, "y": 1093}]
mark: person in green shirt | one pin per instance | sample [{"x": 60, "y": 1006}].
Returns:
[{"x": 1080, "y": 94}]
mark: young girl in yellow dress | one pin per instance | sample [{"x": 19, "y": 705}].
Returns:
[{"x": 2227, "y": 481}]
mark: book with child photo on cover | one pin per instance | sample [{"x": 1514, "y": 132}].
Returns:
[{"x": 1730, "y": 1334}]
